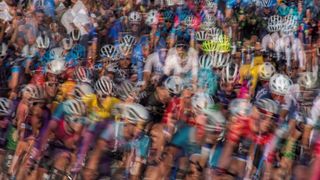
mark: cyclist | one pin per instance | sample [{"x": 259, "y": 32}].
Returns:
[
  {"x": 66, "y": 125},
  {"x": 115, "y": 139}
]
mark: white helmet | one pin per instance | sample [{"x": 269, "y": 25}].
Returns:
[
  {"x": 201, "y": 35},
  {"x": 57, "y": 53},
  {"x": 152, "y": 17},
  {"x": 174, "y": 84},
  {"x": 214, "y": 33},
  {"x": 74, "y": 107},
  {"x": 5, "y": 106},
  {"x": 267, "y": 106},
  {"x": 210, "y": 4},
  {"x": 83, "y": 74},
  {"x": 201, "y": 101},
  {"x": 230, "y": 73},
  {"x": 135, "y": 17},
  {"x": 180, "y": 2},
  {"x": 280, "y": 84},
  {"x": 28, "y": 51},
  {"x": 74, "y": 110},
  {"x": 216, "y": 122},
  {"x": 43, "y": 42},
  {"x": 240, "y": 107},
  {"x": 125, "y": 89},
  {"x": 3, "y": 49},
  {"x": 56, "y": 66},
  {"x": 135, "y": 113},
  {"x": 290, "y": 24},
  {"x": 76, "y": 34},
  {"x": 128, "y": 40},
  {"x": 275, "y": 23},
  {"x": 206, "y": 61},
  {"x": 266, "y": 70},
  {"x": 307, "y": 80},
  {"x": 220, "y": 59},
  {"x": 169, "y": 2},
  {"x": 109, "y": 51},
  {"x": 67, "y": 43},
  {"x": 82, "y": 90},
  {"x": 104, "y": 86},
  {"x": 36, "y": 93}
]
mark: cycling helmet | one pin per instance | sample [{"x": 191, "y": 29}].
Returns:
[
  {"x": 180, "y": 2},
  {"x": 168, "y": 15},
  {"x": 280, "y": 84},
  {"x": 214, "y": 33},
  {"x": 206, "y": 61},
  {"x": 43, "y": 42},
  {"x": 266, "y": 70},
  {"x": 224, "y": 44},
  {"x": 290, "y": 24},
  {"x": 128, "y": 40},
  {"x": 189, "y": 21},
  {"x": 76, "y": 34},
  {"x": 216, "y": 122},
  {"x": 28, "y": 51},
  {"x": 135, "y": 17},
  {"x": 67, "y": 43},
  {"x": 230, "y": 73},
  {"x": 275, "y": 23},
  {"x": 5, "y": 106},
  {"x": 82, "y": 90},
  {"x": 307, "y": 80},
  {"x": 220, "y": 59},
  {"x": 209, "y": 46},
  {"x": 201, "y": 101},
  {"x": 3, "y": 49},
  {"x": 109, "y": 51},
  {"x": 35, "y": 93},
  {"x": 208, "y": 23},
  {"x": 56, "y": 66},
  {"x": 57, "y": 53},
  {"x": 240, "y": 107},
  {"x": 265, "y": 3},
  {"x": 125, "y": 50},
  {"x": 152, "y": 17},
  {"x": 210, "y": 4},
  {"x": 174, "y": 84},
  {"x": 74, "y": 107},
  {"x": 135, "y": 113},
  {"x": 75, "y": 110},
  {"x": 104, "y": 86},
  {"x": 82, "y": 74},
  {"x": 125, "y": 89},
  {"x": 267, "y": 107},
  {"x": 170, "y": 2},
  {"x": 201, "y": 36}
]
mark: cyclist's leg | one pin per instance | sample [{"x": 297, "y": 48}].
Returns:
[
  {"x": 21, "y": 147},
  {"x": 21, "y": 172},
  {"x": 90, "y": 171}
]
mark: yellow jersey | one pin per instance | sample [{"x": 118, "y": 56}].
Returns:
[{"x": 96, "y": 111}]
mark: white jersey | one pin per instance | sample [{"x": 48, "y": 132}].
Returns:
[
  {"x": 173, "y": 66},
  {"x": 315, "y": 112},
  {"x": 153, "y": 64}
]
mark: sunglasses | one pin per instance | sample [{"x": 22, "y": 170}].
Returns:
[{"x": 52, "y": 84}]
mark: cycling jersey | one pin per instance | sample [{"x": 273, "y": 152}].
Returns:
[
  {"x": 185, "y": 140},
  {"x": 98, "y": 112},
  {"x": 224, "y": 99},
  {"x": 154, "y": 65},
  {"x": 241, "y": 128},
  {"x": 177, "y": 110},
  {"x": 207, "y": 80},
  {"x": 173, "y": 67},
  {"x": 113, "y": 135},
  {"x": 155, "y": 107},
  {"x": 262, "y": 93}
]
